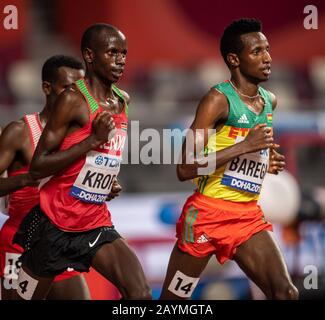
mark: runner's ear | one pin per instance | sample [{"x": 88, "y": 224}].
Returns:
[{"x": 46, "y": 87}]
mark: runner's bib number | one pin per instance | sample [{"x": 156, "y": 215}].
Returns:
[
  {"x": 247, "y": 172},
  {"x": 96, "y": 178}
]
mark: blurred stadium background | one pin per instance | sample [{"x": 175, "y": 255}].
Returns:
[{"x": 172, "y": 61}]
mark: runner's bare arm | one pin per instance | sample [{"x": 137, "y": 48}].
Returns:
[
  {"x": 11, "y": 141},
  {"x": 277, "y": 160},
  {"x": 70, "y": 108},
  {"x": 211, "y": 112}
]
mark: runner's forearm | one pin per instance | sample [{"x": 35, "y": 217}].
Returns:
[
  {"x": 213, "y": 160},
  {"x": 44, "y": 165},
  {"x": 11, "y": 184}
]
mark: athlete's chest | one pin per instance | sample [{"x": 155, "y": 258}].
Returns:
[{"x": 112, "y": 106}]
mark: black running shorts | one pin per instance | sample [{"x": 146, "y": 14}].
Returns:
[{"x": 49, "y": 251}]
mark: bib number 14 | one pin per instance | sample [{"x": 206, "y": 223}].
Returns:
[{"x": 183, "y": 285}]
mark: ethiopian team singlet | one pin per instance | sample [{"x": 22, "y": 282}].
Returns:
[{"x": 240, "y": 180}]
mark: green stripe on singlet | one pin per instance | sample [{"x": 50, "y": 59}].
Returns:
[
  {"x": 199, "y": 183},
  {"x": 206, "y": 178},
  {"x": 202, "y": 183},
  {"x": 119, "y": 93},
  {"x": 91, "y": 101}
]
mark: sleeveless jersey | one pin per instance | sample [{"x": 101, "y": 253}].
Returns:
[
  {"x": 74, "y": 200},
  {"x": 23, "y": 200},
  {"x": 240, "y": 180}
]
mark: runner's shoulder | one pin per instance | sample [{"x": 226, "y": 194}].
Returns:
[
  {"x": 15, "y": 129},
  {"x": 70, "y": 98},
  {"x": 214, "y": 105}
]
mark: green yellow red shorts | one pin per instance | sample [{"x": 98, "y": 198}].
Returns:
[{"x": 215, "y": 226}]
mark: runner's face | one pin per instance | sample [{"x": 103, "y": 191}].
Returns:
[
  {"x": 65, "y": 77},
  {"x": 110, "y": 56},
  {"x": 255, "y": 59}
]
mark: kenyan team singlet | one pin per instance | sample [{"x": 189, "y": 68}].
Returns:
[
  {"x": 74, "y": 200},
  {"x": 24, "y": 199},
  {"x": 240, "y": 180}
]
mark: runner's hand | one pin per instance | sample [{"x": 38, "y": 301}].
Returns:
[
  {"x": 103, "y": 127},
  {"x": 277, "y": 161},
  {"x": 260, "y": 137},
  {"x": 115, "y": 191}
]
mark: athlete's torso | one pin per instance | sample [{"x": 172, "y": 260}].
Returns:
[
  {"x": 74, "y": 200},
  {"x": 23, "y": 200},
  {"x": 239, "y": 180}
]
